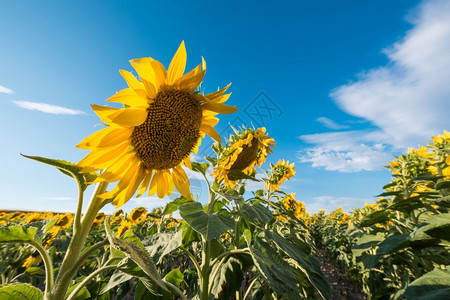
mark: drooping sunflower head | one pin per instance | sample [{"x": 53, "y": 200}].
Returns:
[
  {"x": 137, "y": 215},
  {"x": 146, "y": 143},
  {"x": 279, "y": 173},
  {"x": 244, "y": 151}
]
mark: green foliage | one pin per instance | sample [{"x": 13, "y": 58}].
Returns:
[{"x": 68, "y": 168}]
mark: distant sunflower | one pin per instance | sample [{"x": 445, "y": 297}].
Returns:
[
  {"x": 146, "y": 143},
  {"x": 245, "y": 151},
  {"x": 279, "y": 173}
]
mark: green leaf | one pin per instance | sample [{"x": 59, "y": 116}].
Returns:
[
  {"x": 210, "y": 226},
  {"x": 228, "y": 280},
  {"x": 308, "y": 265},
  {"x": 211, "y": 160},
  {"x": 200, "y": 167},
  {"x": 83, "y": 294},
  {"x": 118, "y": 277},
  {"x": 365, "y": 242},
  {"x": 21, "y": 291},
  {"x": 381, "y": 216},
  {"x": 136, "y": 253},
  {"x": 274, "y": 269},
  {"x": 163, "y": 243},
  {"x": 173, "y": 205},
  {"x": 68, "y": 168},
  {"x": 35, "y": 271},
  {"x": 434, "y": 285},
  {"x": 17, "y": 234},
  {"x": 175, "y": 277},
  {"x": 393, "y": 243},
  {"x": 444, "y": 184},
  {"x": 438, "y": 227},
  {"x": 443, "y": 201},
  {"x": 189, "y": 234},
  {"x": 231, "y": 195},
  {"x": 256, "y": 214},
  {"x": 238, "y": 175}
]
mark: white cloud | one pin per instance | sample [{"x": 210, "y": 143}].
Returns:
[
  {"x": 5, "y": 90},
  {"x": 328, "y": 123},
  {"x": 409, "y": 98},
  {"x": 330, "y": 203},
  {"x": 48, "y": 108},
  {"x": 348, "y": 151}
]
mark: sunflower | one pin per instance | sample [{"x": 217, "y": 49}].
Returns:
[
  {"x": 279, "y": 173},
  {"x": 124, "y": 226},
  {"x": 146, "y": 143},
  {"x": 137, "y": 215},
  {"x": 244, "y": 151}
]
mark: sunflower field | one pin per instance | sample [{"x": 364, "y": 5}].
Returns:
[{"x": 241, "y": 244}]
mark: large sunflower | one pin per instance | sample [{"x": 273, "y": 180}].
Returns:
[
  {"x": 245, "y": 151},
  {"x": 163, "y": 120}
]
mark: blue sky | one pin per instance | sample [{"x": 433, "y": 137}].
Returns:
[{"x": 341, "y": 85}]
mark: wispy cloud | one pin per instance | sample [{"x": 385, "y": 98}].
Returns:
[
  {"x": 330, "y": 203},
  {"x": 348, "y": 151},
  {"x": 328, "y": 123},
  {"x": 5, "y": 90},
  {"x": 48, "y": 108},
  {"x": 407, "y": 100}
]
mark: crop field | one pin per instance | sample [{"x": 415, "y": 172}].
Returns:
[{"x": 262, "y": 247}]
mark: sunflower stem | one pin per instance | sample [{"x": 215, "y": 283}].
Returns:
[
  {"x": 77, "y": 223},
  {"x": 48, "y": 268},
  {"x": 206, "y": 253},
  {"x": 69, "y": 265}
]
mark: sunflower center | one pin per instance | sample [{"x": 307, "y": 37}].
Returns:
[
  {"x": 170, "y": 132},
  {"x": 247, "y": 156}
]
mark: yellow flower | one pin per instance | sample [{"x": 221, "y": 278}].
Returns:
[
  {"x": 118, "y": 213},
  {"x": 124, "y": 226},
  {"x": 422, "y": 152},
  {"x": 245, "y": 151},
  {"x": 281, "y": 172},
  {"x": 137, "y": 215},
  {"x": 32, "y": 260},
  {"x": 170, "y": 225},
  {"x": 441, "y": 138},
  {"x": 146, "y": 143},
  {"x": 289, "y": 202}
]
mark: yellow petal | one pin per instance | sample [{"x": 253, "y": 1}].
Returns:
[
  {"x": 160, "y": 73},
  {"x": 211, "y": 121},
  {"x": 218, "y": 107},
  {"x": 211, "y": 132},
  {"x": 191, "y": 83},
  {"x": 144, "y": 68},
  {"x": 98, "y": 157},
  {"x": 103, "y": 112},
  {"x": 181, "y": 182},
  {"x": 133, "y": 83},
  {"x": 171, "y": 184},
  {"x": 177, "y": 65},
  {"x": 187, "y": 162},
  {"x": 163, "y": 184},
  {"x": 145, "y": 183},
  {"x": 128, "y": 97},
  {"x": 114, "y": 137},
  {"x": 133, "y": 116},
  {"x": 85, "y": 144},
  {"x": 153, "y": 185},
  {"x": 218, "y": 94}
]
